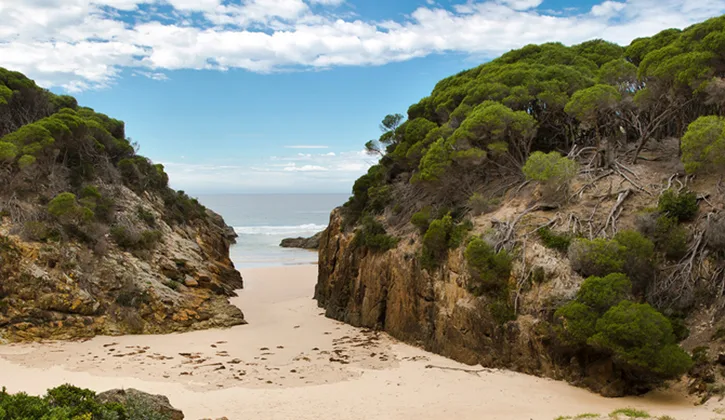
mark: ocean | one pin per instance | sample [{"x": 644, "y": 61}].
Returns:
[{"x": 263, "y": 220}]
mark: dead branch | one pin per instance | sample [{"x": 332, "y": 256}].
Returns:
[
  {"x": 615, "y": 212},
  {"x": 473, "y": 371},
  {"x": 597, "y": 179},
  {"x": 512, "y": 227},
  {"x": 623, "y": 175}
]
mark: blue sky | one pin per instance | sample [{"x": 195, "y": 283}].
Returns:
[{"x": 280, "y": 95}]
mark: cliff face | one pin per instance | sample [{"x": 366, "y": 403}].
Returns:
[
  {"x": 391, "y": 292},
  {"x": 64, "y": 290},
  {"x": 434, "y": 308}
]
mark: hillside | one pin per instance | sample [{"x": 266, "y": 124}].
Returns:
[
  {"x": 556, "y": 211},
  {"x": 92, "y": 239}
]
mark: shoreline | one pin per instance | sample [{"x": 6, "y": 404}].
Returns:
[{"x": 292, "y": 362}]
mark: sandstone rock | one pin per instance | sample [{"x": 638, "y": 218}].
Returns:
[
  {"x": 158, "y": 404},
  {"x": 312, "y": 242},
  {"x": 190, "y": 282}
]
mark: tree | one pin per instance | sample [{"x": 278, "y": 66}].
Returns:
[
  {"x": 641, "y": 339},
  {"x": 8, "y": 152},
  {"x": 490, "y": 270},
  {"x": 594, "y": 107},
  {"x": 703, "y": 145}
]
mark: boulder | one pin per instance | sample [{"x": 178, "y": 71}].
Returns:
[
  {"x": 312, "y": 242},
  {"x": 141, "y": 401}
]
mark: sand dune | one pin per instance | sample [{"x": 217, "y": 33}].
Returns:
[{"x": 291, "y": 362}]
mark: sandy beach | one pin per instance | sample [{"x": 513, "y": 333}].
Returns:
[{"x": 290, "y": 362}]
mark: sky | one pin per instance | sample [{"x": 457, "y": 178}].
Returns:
[{"x": 265, "y": 96}]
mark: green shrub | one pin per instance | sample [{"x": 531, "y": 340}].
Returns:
[
  {"x": 65, "y": 402},
  {"x": 442, "y": 235},
  {"x": 8, "y": 152},
  {"x": 549, "y": 239},
  {"x": 682, "y": 206},
  {"x": 554, "y": 171},
  {"x": 630, "y": 412},
  {"x": 421, "y": 220},
  {"x": 479, "y": 204},
  {"x": 639, "y": 258},
  {"x": 640, "y": 338},
  {"x": 132, "y": 240},
  {"x": 601, "y": 293},
  {"x": 66, "y": 209},
  {"x": 36, "y": 231},
  {"x": 146, "y": 216},
  {"x": 372, "y": 234},
  {"x": 26, "y": 161},
  {"x": 579, "y": 322},
  {"x": 703, "y": 145},
  {"x": 489, "y": 270},
  {"x": 671, "y": 238},
  {"x": 597, "y": 257},
  {"x": 501, "y": 310}
]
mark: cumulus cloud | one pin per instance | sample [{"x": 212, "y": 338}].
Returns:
[
  {"x": 330, "y": 172},
  {"x": 84, "y": 44}
]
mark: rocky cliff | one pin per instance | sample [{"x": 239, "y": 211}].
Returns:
[
  {"x": 92, "y": 238},
  {"x": 66, "y": 290}
]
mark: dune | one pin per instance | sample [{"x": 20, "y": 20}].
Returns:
[{"x": 290, "y": 362}]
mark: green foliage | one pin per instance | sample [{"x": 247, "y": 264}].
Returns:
[
  {"x": 667, "y": 234},
  {"x": 588, "y": 105},
  {"x": 550, "y": 167},
  {"x": 579, "y": 322},
  {"x": 679, "y": 205},
  {"x": 132, "y": 240},
  {"x": 601, "y": 293},
  {"x": 489, "y": 270},
  {"x": 639, "y": 258},
  {"x": 703, "y": 145},
  {"x": 8, "y": 152},
  {"x": 26, "y": 161},
  {"x": 65, "y": 402},
  {"x": 146, "y": 216},
  {"x": 630, "y": 412},
  {"x": 597, "y": 257},
  {"x": 372, "y": 234},
  {"x": 549, "y": 239},
  {"x": 421, "y": 220},
  {"x": 553, "y": 170},
  {"x": 66, "y": 209},
  {"x": 641, "y": 339},
  {"x": 181, "y": 208},
  {"x": 435, "y": 162},
  {"x": 442, "y": 234}
]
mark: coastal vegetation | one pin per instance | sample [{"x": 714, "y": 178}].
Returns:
[{"x": 571, "y": 136}]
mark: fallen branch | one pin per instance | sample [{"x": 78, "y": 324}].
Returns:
[
  {"x": 473, "y": 371},
  {"x": 623, "y": 175}
]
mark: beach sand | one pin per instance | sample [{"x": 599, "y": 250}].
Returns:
[{"x": 290, "y": 362}]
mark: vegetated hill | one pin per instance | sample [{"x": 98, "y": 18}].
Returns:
[
  {"x": 556, "y": 211},
  {"x": 92, "y": 239}
]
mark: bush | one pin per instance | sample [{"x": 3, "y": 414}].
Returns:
[
  {"x": 640, "y": 338},
  {"x": 481, "y": 205},
  {"x": 601, "y": 293},
  {"x": 36, "y": 231},
  {"x": 597, "y": 257},
  {"x": 421, "y": 220},
  {"x": 639, "y": 258},
  {"x": 682, "y": 206},
  {"x": 442, "y": 235},
  {"x": 549, "y": 239},
  {"x": 146, "y": 216},
  {"x": 670, "y": 237},
  {"x": 26, "y": 161},
  {"x": 65, "y": 402},
  {"x": 553, "y": 170},
  {"x": 489, "y": 270},
  {"x": 66, "y": 209},
  {"x": 372, "y": 234},
  {"x": 132, "y": 240},
  {"x": 703, "y": 145},
  {"x": 579, "y": 323},
  {"x": 8, "y": 152}
]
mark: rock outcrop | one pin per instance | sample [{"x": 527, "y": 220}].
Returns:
[
  {"x": 141, "y": 402},
  {"x": 64, "y": 290},
  {"x": 313, "y": 242}
]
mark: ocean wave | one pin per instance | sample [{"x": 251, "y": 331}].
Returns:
[{"x": 306, "y": 229}]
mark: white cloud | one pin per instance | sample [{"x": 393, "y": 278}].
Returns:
[
  {"x": 332, "y": 172},
  {"x": 306, "y": 147},
  {"x": 82, "y": 44}
]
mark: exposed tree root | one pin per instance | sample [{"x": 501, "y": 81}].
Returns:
[{"x": 611, "y": 222}]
